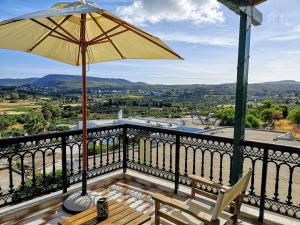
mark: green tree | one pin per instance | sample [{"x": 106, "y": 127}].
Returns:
[
  {"x": 266, "y": 115},
  {"x": 252, "y": 121},
  {"x": 267, "y": 104},
  {"x": 227, "y": 116},
  {"x": 284, "y": 109},
  {"x": 294, "y": 115},
  {"x": 35, "y": 123},
  {"x": 4, "y": 123}
]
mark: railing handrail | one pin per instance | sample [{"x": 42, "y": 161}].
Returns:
[
  {"x": 276, "y": 147},
  {"x": 181, "y": 133},
  {"x": 37, "y": 137},
  {"x": 258, "y": 144}
]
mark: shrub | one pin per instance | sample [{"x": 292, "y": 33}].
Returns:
[
  {"x": 294, "y": 115},
  {"x": 43, "y": 185},
  {"x": 252, "y": 121}
]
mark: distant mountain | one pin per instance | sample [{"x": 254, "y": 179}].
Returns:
[
  {"x": 17, "y": 82},
  {"x": 69, "y": 81},
  {"x": 74, "y": 82}
]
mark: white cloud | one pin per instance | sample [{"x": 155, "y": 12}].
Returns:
[
  {"x": 153, "y": 11},
  {"x": 294, "y": 34},
  {"x": 199, "y": 39},
  {"x": 278, "y": 18}
]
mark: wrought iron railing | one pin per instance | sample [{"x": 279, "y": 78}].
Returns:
[{"x": 35, "y": 165}]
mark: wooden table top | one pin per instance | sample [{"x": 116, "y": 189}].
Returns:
[{"x": 119, "y": 214}]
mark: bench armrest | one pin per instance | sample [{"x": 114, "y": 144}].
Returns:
[
  {"x": 207, "y": 182},
  {"x": 202, "y": 216}
]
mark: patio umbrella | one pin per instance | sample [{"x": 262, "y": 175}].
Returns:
[{"x": 80, "y": 33}]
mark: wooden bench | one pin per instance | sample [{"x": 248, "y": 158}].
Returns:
[{"x": 192, "y": 213}]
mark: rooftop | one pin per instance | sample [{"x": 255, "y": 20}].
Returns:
[
  {"x": 134, "y": 189},
  {"x": 35, "y": 170}
]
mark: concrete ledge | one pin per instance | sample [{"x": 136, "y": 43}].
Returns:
[{"x": 22, "y": 210}]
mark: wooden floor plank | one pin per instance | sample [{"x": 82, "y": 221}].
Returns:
[
  {"x": 117, "y": 217},
  {"x": 140, "y": 220},
  {"x": 128, "y": 218},
  {"x": 86, "y": 213}
]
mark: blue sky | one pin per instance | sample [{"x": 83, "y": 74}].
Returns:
[{"x": 204, "y": 32}]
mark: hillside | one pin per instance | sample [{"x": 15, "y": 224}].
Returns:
[
  {"x": 68, "y": 81},
  {"x": 17, "y": 82},
  {"x": 289, "y": 87}
]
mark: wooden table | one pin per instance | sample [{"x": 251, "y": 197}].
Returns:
[{"x": 119, "y": 214}]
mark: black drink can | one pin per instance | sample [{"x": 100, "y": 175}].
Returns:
[{"x": 102, "y": 209}]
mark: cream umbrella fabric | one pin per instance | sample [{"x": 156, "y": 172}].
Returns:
[
  {"x": 55, "y": 34},
  {"x": 80, "y": 33}
]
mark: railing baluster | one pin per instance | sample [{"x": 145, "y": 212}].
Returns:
[
  {"x": 276, "y": 194},
  {"x": 157, "y": 153},
  {"x": 22, "y": 172},
  {"x": 252, "y": 178},
  {"x": 202, "y": 162},
  {"x": 211, "y": 166},
  {"x": 107, "y": 151},
  {"x": 139, "y": 151},
  {"x": 119, "y": 150},
  {"x": 53, "y": 163},
  {"x": 44, "y": 165},
  {"x": 171, "y": 158},
  {"x": 145, "y": 149},
  {"x": 263, "y": 186},
  {"x": 164, "y": 156},
  {"x": 33, "y": 171},
  {"x": 289, "y": 196},
  {"x": 113, "y": 148},
  {"x": 79, "y": 158},
  {"x": 133, "y": 146},
  {"x": 125, "y": 147},
  {"x": 101, "y": 153},
  {"x": 64, "y": 163},
  {"x": 11, "y": 182},
  {"x": 194, "y": 161},
  {"x": 177, "y": 162},
  {"x": 150, "y": 163},
  {"x": 221, "y": 169},
  {"x": 94, "y": 154},
  {"x": 71, "y": 161},
  {"x": 186, "y": 161}
]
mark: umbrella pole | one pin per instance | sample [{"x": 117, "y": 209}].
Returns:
[
  {"x": 84, "y": 199},
  {"x": 84, "y": 105}
]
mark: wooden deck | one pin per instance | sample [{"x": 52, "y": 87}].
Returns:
[{"x": 137, "y": 195}]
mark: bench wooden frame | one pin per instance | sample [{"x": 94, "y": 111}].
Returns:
[{"x": 227, "y": 196}]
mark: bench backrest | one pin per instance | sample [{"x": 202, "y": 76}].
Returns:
[{"x": 225, "y": 197}]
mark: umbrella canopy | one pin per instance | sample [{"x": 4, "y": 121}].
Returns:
[
  {"x": 56, "y": 33},
  {"x": 78, "y": 34}
]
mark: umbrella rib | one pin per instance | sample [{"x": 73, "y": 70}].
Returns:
[
  {"x": 100, "y": 36},
  {"x": 102, "y": 39},
  {"x": 121, "y": 22},
  {"x": 62, "y": 38},
  {"x": 9, "y": 22},
  {"x": 112, "y": 43},
  {"x": 47, "y": 35},
  {"x": 55, "y": 31},
  {"x": 134, "y": 30},
  {"x": 98, "y": 42},
  {"x": 63, "y": 29}
]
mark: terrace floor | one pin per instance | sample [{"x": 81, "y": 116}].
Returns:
[{"x": 134, "y": 189}]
